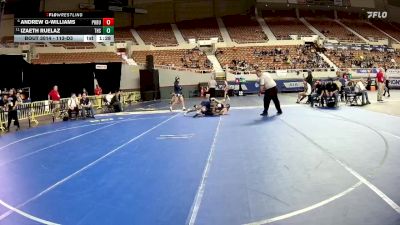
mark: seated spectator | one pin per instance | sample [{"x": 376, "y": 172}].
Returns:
[
  {"x": 360, "y": 89},
  {"x": 86, "y": 106},
  {"x": 73, "y": 105},
  {"x": 340, "y": 86},
  {"x": 108, "y": 98},
  {"x": 318, "y": 94},
  {"x": 116, "y": 102},
  {"x": 305, "y": 93},
  {"x": 331, "y": 89}
]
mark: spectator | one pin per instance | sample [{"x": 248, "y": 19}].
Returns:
[
  {"x": 369, "y": 82},
  {"x": 73, "y": 105},
  {"x": 19, "y": 98},
  {"x": 116, "y": 101},
  {"x": 360, "y": 89},
  {"x": 98, "y": 92},
  {"x": 109, "y": 97},
  {"x": 54, "y": 97},
  {"x": 86, "y": 106},
  {"x": 319, "y": 90},
  {"x": 12, "y": 104},
  {"x": 309, "y": 78},
  {"x": 331, "y": 89}
]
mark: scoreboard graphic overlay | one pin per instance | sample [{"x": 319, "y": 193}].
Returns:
[{"x": 65, "y": 27}]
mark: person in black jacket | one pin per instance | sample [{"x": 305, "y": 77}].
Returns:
[{"x": 12, "y": 109}]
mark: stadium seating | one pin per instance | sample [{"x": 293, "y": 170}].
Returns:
[
  {"x": 8, "y": 42},
  {"x": 243, "y": 29},
  {"x": 176, "y": 59},
  {"x": 285, "y": 26},
  {"x": 124, "y": 34},
  {"x": 318, "y": 14},
  {"x": 74, "y": 45},
  {"x": 200, "y": 29},
  {"x": 270, "y": 58},
  {"x": 70, "y": 58},
  {"x": 396, "y": 25},
  {"x": 363, "y": 59},
  {"x": 388, "y": 28},
  {"x": 365, "y": 30},
  {"x": 279, "y": 13},
  {"x": 158, "y": 35},
  {"x": 333, "y": 30}
]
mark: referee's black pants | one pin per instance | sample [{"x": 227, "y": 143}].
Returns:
[
  {"x": 211, "y": 91},
  {"x": 13, "y": 115},
  {"x": 271, "y": 94}
]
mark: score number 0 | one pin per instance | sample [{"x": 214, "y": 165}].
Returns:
[{"x": 108, "y": 21}]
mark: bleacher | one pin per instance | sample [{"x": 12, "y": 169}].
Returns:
[
  {"x": 123, "y": 34},
  {"x": 74, "y": 45},
  {"x": 363, "y": 58},
  {"x": 200, "y": 29},
  {"x": 176, "y": 59},
  {"x": 331, "y": 29},
  {"x": 8, "y": 42},
  {"x": 243, "y": 29},
  {"x": 269, "y": 58},
  {"x": 158, "y": 35},
  {"x": 283, "y": 27},
  {"x": 364, "y": 29},
  {"x": 72, "y": 58},
  {"x": 388, "y": 28}
]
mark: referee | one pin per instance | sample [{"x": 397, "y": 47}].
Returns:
[{"x": 268, "y": 85}]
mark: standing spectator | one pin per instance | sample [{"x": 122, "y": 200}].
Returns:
[
  {"x": 73, "y": 106},
  {"x": 387, "y": 82},
  {"x": 212, "y": 85},
  {"x": 309, "y": 78},
  {"x": 19, "y": 98},
  {"x": 98, "y": 92},
  {"x": 3, "y": 104},
  {"x": 55, "y": 97},
  {"x": 380, "y": 78},
  {"x": 268, "y": 85},
  {"x": 369, "y": 82},
  {"x": 12, "y": 104},
  {"x": 86, "y": 106}
]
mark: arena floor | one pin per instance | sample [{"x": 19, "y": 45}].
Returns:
[{"x": 308, "y": 166}]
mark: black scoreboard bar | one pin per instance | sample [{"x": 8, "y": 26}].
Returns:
[{"x": 64, "y": 27}]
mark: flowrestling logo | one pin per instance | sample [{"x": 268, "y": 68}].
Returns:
[{"x": 377, "y": 15}]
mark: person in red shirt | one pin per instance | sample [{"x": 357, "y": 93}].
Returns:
[
  {"x": 54, "y": 98},
  {"x": 98, "y": 92},
  {"x": 54, "y": 95},
  {"x": 380, "y": 79}
]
